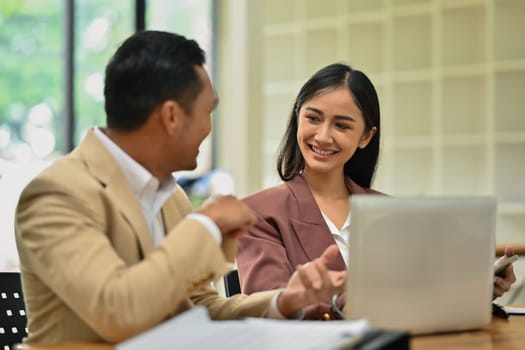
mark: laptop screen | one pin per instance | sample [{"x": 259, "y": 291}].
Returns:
[{"x": 421, "y": 264}]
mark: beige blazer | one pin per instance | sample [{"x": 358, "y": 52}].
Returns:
[{"x": 89, "y": 269}]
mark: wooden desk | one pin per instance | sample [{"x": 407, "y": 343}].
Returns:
[
  {"x": 500, "y": 334},
  {"x": 518, "y": 249}
]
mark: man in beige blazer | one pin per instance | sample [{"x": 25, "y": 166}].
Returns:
[{"x": 108, "y": 243}]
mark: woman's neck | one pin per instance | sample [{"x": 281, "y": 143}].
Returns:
[{"x": 327, "y": 185}]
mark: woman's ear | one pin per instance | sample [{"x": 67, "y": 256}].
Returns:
[
  {"x": 171, "y": 115},
  {"x": 367, "y": 137}
]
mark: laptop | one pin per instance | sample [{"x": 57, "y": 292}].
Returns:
[{"x": 421, "y": 265}]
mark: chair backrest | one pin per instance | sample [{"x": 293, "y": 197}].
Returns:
[
  {"x": 13, "y": 321},
  {"x": 231, "y": 283}
]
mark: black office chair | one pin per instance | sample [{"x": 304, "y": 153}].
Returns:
[
  {"x": 13, "y": 321},
  {"x": 232, "y": 285}
]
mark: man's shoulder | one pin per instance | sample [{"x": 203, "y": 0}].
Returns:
[{"x": 66, "y": 174}]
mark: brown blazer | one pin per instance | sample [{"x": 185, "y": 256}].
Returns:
[
  {"x": 89, "y": 269},
  {"x": 290, "y": 230}
]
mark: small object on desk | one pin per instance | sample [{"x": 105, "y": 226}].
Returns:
[
  {"x": 499, "y": 311},
  {"x": 513, "y": 310},
  {"x": 376, "y": 339}
]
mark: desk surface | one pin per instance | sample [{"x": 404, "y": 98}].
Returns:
[
  {"x": 518, "y": 248},
  {"x": 500, "y": 334}
]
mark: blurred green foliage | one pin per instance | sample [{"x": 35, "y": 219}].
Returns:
[{"x": 32, "y": 57}]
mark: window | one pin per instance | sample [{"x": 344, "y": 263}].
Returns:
[
  {"x": 100, "y": 27},
  {"x": 191, "y": 18},
  {"x": 31, "y": 113},
  {"x": 33, "y": 47}
]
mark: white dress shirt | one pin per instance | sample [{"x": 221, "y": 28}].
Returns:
[{"x": 150, "y": 195}]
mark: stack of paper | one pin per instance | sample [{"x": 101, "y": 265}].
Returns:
[
  {"x": 514, "y": 310},
  {"x": 194, "y": 330}
]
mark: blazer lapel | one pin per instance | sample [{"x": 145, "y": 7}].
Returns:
[
  {"x": 172, "y": 213},
  {"x": 120, "y": 192},
  {"x": 309, "y": 225},
  {"x": 103, "y": 166}
]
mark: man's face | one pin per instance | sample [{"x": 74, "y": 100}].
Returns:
[{"x": 197, "y": 125}]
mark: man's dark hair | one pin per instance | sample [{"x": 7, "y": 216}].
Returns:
[{"x": 149, "y": 68}]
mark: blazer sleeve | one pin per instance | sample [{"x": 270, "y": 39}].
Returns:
[
  {"x": 263, "y": 265},
  {"x": 234, "y": 307},
  {"x": 61, "y": 240},
  {"x": 262, "y": 260}
]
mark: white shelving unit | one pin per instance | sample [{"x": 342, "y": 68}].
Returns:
[{"x": 451, "y": 80}]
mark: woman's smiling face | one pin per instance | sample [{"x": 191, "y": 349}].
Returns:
[{"x": 330, "y": 129}]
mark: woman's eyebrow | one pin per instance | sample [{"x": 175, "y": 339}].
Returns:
[
  {"x": 318, "y": 111},
  {"x": 344, "y": 117}
]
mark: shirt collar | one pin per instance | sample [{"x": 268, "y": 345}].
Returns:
[
  {"x": 345, "y": 229},
  {"x": 142, "y": 182}
]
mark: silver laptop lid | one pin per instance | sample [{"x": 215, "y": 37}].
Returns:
[{"x": 421, "y": 264}]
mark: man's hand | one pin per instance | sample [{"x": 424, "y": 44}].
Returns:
[
  {"x": 231, "y": 215},
  {"x": 311, "y": 283},
  {"x": 503, "y": 284}
]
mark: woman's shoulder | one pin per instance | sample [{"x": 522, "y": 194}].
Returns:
[
  {"x": 291, "y": 189},
  {"x": 270, "y": 194},
  {"x": 372, "y": 191},
  {"x": 357, "y": 189}
]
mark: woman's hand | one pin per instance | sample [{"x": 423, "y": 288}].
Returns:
[{"x": 312, "y": 283}]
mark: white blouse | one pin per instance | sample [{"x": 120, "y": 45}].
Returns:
[{"x": 341, "y": 237}]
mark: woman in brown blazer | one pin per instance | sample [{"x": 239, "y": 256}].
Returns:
[{"x": 328, "y": 153}]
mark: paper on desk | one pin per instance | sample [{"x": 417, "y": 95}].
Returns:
[
  {"x": 194, "y": 329},
  {"x": 514, "y": 310}
]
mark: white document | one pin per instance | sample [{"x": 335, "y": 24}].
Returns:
[
  {"x": 194, "y": 330},
  {"x": 512, "y": 310}
]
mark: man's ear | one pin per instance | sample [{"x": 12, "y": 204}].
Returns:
[{"x": 171, "y": 116}]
